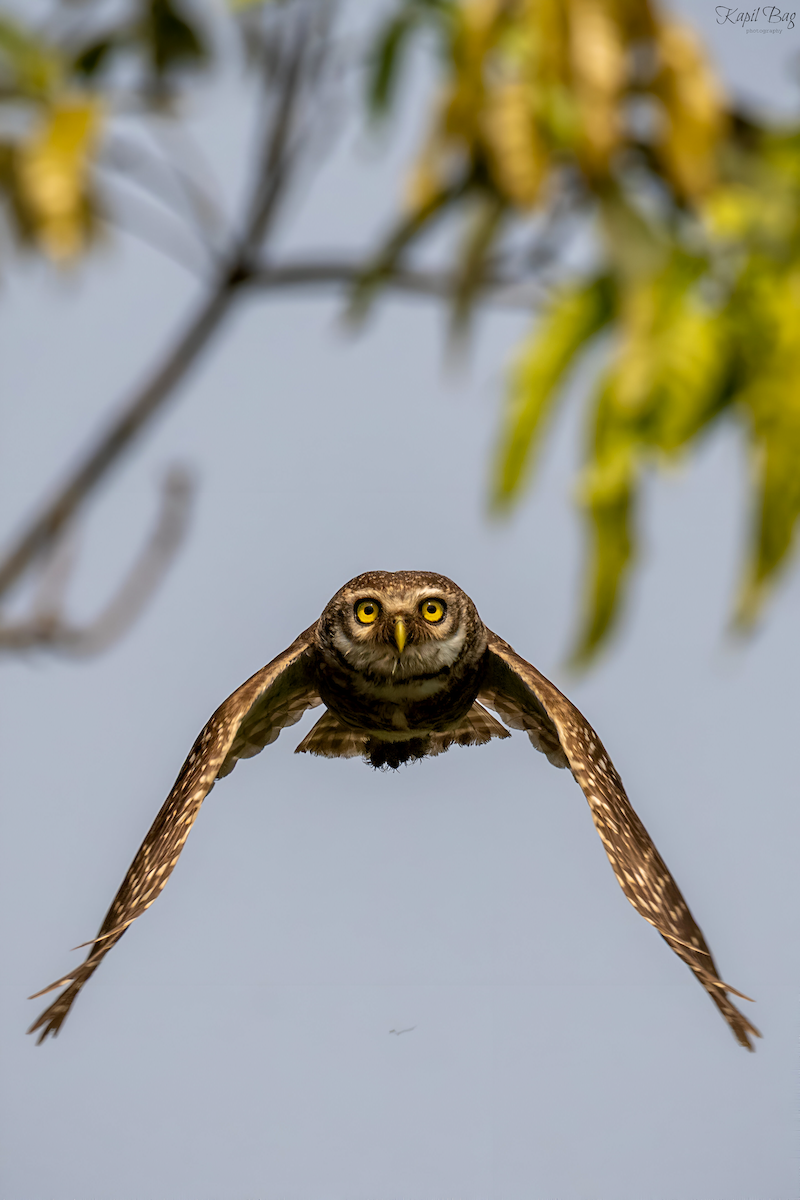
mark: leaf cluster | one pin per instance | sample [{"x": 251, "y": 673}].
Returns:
[
  {"x": 607, "y": 110},
  {"x": 57, "y": 93}
]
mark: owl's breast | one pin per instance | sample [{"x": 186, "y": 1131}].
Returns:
[{"x": 394, "y": 708}]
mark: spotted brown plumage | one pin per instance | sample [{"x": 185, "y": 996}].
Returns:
[{"x": 404, "y": 665}]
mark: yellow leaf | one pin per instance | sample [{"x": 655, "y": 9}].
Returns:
[
  {"x": 599, "y": 76},
  {"x": 695, "y": 110},
  {"x": 732, "y": 212},
  {"x": 35, "y": 69},
  {"x": 518, "y": 157},
  {"x": 53, "y": 170}
]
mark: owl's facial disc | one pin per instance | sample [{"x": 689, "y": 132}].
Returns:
[{"x": 412, "y": 632}]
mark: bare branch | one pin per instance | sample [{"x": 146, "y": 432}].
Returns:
[
  {"x": 51, "y": 587},
  {"x": 147, "y": 571},
  {"x": 504, "y": 291},
  {"x": 49, "y": 628},
  {"x": 277, "y": 149},
  {"x": 120, "y": 435}
]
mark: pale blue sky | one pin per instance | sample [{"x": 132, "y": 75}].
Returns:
[{"x": 236, "y": 1045}]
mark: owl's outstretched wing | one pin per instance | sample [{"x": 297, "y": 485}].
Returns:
[
  {"x": 527, "y": 700},
  {"x": 251, "y": 718}
]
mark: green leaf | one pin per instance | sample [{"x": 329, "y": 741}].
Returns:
[
  {"x": 776, "y": 410},
  {"x": 778, "y": 509},
  {"x": 770, "y": 402},
  {"x": 694, "y": 373},
  {"x": 172, "y": 40},
  {"x": 607, "y": 491},
  {"x": 22, "y": 220},
  {"x": 664, "y": 384},
  {"x": 385, "y": 63},
  {"x": 27, "y": 64},
  {"x": 610, "y": 521},
  {"x": 388, "y": 52},
  {"x": 573, "y": 319},
  {"x": 92, "y": 60},
  {"x": 622, "y": 421}
]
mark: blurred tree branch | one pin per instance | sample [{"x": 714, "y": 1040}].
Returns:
[
  {"x": 502, "y": 290},
  {"x": 46, "y": 625}
]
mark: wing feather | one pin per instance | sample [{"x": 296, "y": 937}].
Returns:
[
  {"x": 516, "y": 690},
  {"x": 248, "y": 720}
]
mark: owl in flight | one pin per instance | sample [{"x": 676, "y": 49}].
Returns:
[{"x": 404, "y": 667}]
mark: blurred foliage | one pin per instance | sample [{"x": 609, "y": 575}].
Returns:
[
  {"x": 609, "y": 108},
  {"x": 54, "y": 91},
  {"x": 548, "y": 118}
]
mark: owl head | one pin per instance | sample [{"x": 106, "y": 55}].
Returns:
[{"x": 402, "y": 623}]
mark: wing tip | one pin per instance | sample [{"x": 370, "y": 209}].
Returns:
[
  {"x": 740, "y": 1027},
  {"x": 743, "y": 1030},
  {"x": 51, "y": 987},
  {"x": 54, "y": 1016}
]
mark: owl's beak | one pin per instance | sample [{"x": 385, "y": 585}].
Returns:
[{"x": 400, "y": 634}]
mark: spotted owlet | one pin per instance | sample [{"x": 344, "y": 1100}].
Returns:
[{"x": 404, "y": 666}]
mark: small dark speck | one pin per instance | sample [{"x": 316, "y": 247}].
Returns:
[{"x": 399, "y": 1031}]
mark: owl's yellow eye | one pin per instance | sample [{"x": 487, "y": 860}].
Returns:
[
  {"x": 367, "y": 611},
  {"x": 433, "y": 610}
]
